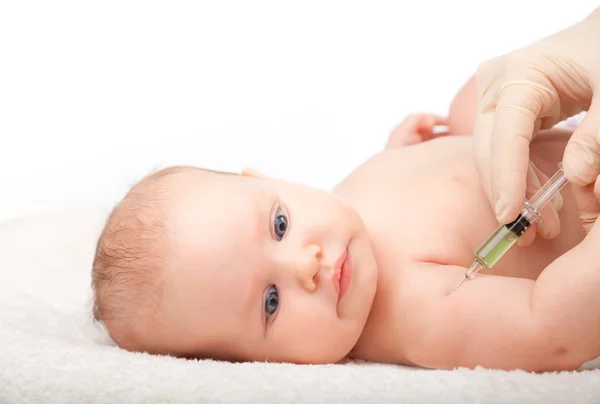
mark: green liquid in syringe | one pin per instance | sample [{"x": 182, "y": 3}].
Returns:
[{"x": 500, "y": 241}]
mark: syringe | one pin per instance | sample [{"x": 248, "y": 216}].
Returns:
[{"x": 507, "y": 235}]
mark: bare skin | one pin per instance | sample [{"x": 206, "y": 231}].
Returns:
[{"x": 426, "y": 214}]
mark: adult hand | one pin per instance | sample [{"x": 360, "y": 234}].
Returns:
[
  {"x": 587, "y": 201},
  {"x": 530, "y": 89}
]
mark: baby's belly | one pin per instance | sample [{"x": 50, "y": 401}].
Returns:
[{"x": 426, "y": 204}]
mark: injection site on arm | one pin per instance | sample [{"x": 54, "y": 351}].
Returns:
[
  {"x": 507, "y": 235},
  {"x": 510, "y": 323},
  {"x": 552, "y": 323}
]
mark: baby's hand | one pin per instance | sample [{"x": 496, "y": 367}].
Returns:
[{"x": 417, "y": 128}]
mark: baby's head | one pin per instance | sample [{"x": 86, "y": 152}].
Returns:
[{"x": 198, "y": 263}]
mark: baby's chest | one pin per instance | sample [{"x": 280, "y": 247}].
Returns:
[
  {"x": 441, "y": 215},
  {"x": 438, "y": 214}
]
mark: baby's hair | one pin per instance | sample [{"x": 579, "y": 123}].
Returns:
[{"x": 131, "y": 253}]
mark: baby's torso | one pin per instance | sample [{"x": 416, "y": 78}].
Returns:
[{"x": 424, "y": 203}]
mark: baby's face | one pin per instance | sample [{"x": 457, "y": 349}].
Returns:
[{"x": 264, "y": 269}]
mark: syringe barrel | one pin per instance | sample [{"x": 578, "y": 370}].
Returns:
[
  {"x": 549, "y": 190},
  {"x": 501, "y": 241},
  {"x": 507, "y": 235}
]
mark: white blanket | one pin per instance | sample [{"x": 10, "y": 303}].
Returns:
[{"x": 51, "y": 353}]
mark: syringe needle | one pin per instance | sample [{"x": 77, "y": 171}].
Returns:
[
  {"x": 469, "y": 274},
  {"x": 457, "y": 286}
]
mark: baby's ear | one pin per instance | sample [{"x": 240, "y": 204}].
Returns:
[{"x": 251, "y": 172}]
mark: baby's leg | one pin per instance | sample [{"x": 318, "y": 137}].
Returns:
[{"x": 461, "y": 115}]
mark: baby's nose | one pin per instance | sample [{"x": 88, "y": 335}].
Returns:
[{"x": 307, "y": 267}]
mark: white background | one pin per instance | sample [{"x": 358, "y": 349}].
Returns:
[{"x": 96, "y": 94}]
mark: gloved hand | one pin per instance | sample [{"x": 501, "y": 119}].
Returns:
[
  {"x": 530, "y": 89},
  {"x": 550, "y": 225},
  {"x": 587, "y": 200}
]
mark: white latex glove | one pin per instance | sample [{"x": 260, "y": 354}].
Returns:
[
  {"x": 530, "y": 89},
  {"x": 587, "y": 199}
]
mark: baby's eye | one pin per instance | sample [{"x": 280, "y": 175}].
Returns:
[
  {"x": 281, "y": 224},
  {"x": 271, "y": 301}
]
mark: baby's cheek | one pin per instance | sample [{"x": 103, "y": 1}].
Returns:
[{"x": 311, "y": 332}]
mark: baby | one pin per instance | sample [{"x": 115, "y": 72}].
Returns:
[{"x": 242, "y": 267}]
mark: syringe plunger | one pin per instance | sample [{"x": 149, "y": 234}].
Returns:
[{"x": 549, "y": 190}]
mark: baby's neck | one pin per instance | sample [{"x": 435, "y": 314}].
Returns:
[{"x": 382, "y": 337}]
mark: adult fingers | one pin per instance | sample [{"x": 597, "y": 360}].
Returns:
[
  {"x": 549, "y": 227},
  {"x": 587, "y": 202},
  {"x": 581, "y": 161},
  {"x": 487, "y": 81},
  {"x": 533, "y": 185},
  {"x": 514, "y": 125}
]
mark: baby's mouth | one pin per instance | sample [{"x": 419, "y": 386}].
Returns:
[
  {"x": 345, "y": 275},
  {"x": 342, "y": 274}
]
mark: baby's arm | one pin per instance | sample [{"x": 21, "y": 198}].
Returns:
[
  {"x": 461, "y": 115},
  {"x": 508, "y": 323}
]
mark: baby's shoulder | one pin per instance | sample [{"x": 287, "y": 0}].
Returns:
[{"x": 407, "y": 163}]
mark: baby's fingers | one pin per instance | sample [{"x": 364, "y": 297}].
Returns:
[{"x": 431, "y": 125}]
